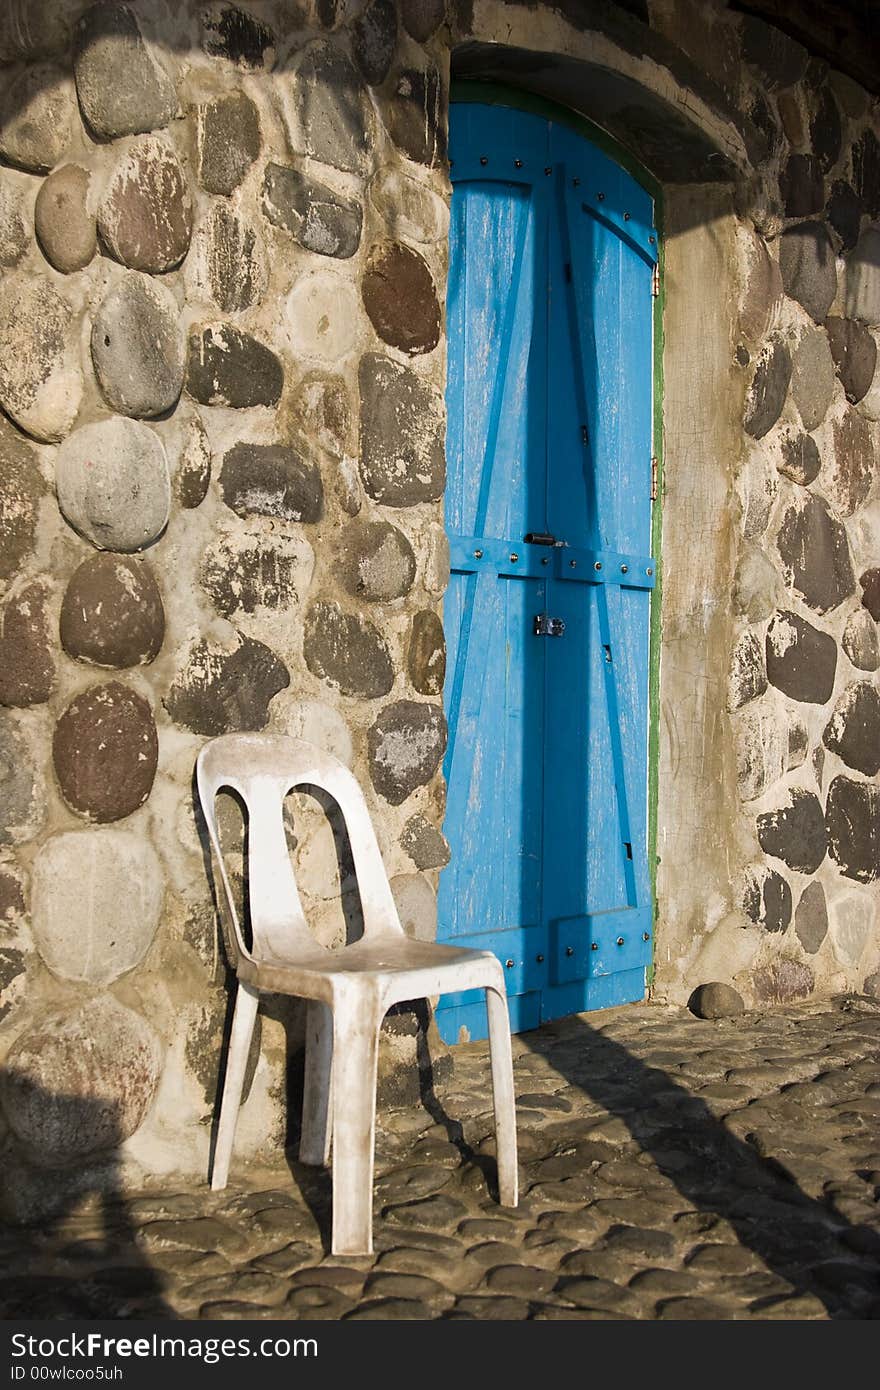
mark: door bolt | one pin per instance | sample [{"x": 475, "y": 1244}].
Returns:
[
  {"x": 626, "y": 217},
  {"x": 624, "y": 569},
  {"x": 549, "y": 169},
  {"x": 646, "y": 936},
  {"x": 600, "y": 197},
  {"x": 539, "y": 960},
  {"x": 478, "y": 554},
  {"x": 569, "y": 950},
  {"x": 517, "y": 164},
  {"x": 483, "y": 159},
  {"x": 545, "y": 560},
  {"x": 620, "y": 941},
  {"x": 649, "y": 571},
  {"x": 513, "y": 557},
  {"x": 510, "y": 964},
  {"x": 594, "y": 946},
  {"x": 597, "y": 565},
  {"x": 573, "y": 564},
  {"x": 575, "y": 183}
]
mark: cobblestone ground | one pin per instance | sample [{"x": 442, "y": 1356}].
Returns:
[{"x": 671, "y": 1167}]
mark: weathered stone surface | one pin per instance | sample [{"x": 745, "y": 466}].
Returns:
[
  {"x": 802, "y": 186},
  {"x": 855, "y": 356},
  {"x": 756, "y": 485},
  {"x": 36, "y": 28},
  {"x": 871, "y": 986},
  {"x": 870, "y": 583},
  {"x": 21, "y": 810},
  {"x": 376, "y": 561},
  {"x": 761, "y": 748},
  {"x": 862, "y": 279},
  {"x": 809, "y": 267},
  {"x": 783, "y": 981},
  {"x": 848, "y": 479},
  {"x": 257, "y": 570},
  {"x": 853, "y": 731},
  {"x": 852, "y": 815},
  {"x": 194, "y": 472},
  {"x": 239, "y": 37},
  {"x": 801, "y": 660},
  {"x": 401, "y": 450},
  {"x": 122, "y": 87},
  {"x": 424, "y": 843},
  {"x": 105, "y": 928},
  {"x": 226, "y": 366},
  {"x": 138, "y": 347},
  {"x": 145, "y": 216},
  {"x": 405, "y": 744},
  {"x": 374, "y": 39},
  {"x": 716, "y": 1000},
  {"x": 63, "y": 222},
  {"x": 348, "y": 651},
  {"x": 844, "y": 212},
  {"x": 416, "y": 906},
  {"x": 113, "y": 484},
  {"x": 400, "y": 299},
  {"x": 12, "y": 969},
  {"x": 80, "y": 1081},
  {"x": 851, "y": 928},
  {"x": 795, "y": 832},
  {"x": 866, "y": 170},
  {"x": 13, "y": 232},
  {"x": 412, "y": 210},
  {"x": 20, "y": 493},
  {"x": 800, "y": 458},
  {"x": 798, "y": 744},
  {"x": 768, "y": 390},
  {"x": 40, "y": 380},
  {"x": 220, "y": 692},
  {"x": 426, "y": 654},
  {"x": 414, "y": 115},
  {"x": 812, "y": 378},
  {"x": 36, "y": 118},
  {"x": 318, "y": 218},
  {"x": 332, "y": 120},
  {"x": 322, "y": 407},
  {"x": 421, "y": 18},
  {"x": 811, "y": 918},
  {"x": 112, "y": 613},
  {"x": 762, "y": 287},
  {"x": 815, "y": 554},
  {"x": 271, "y": 480},
  {"x": 230, "y": 260},
  {"x": 228, "y": 141},
  {"x": 780, "y": 60},
  {"x": 860, "y": 641},
  {"x": 748, "y": 675},
  {"x": 27, "y": 668},
  {"x": 323, "y": 316},
  {"x": 826, "y": 131},
  {"x": 105, "y": 750}
]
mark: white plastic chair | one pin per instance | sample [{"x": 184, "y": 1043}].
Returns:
[{"x": 349, "y": 990}]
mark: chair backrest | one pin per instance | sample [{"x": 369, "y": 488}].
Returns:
[{"x": 262, "y": 769}]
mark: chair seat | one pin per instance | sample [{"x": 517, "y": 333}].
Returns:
[{"x": 312, "y": 973}]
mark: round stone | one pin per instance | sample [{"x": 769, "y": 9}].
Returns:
[
  {"x": 40, "y": 378},
  {"x": 424, "y": 843},
  {"x": 809, "y": 267},
  {"x": 416, "y": 906},
  {"x": 226, "y": 366},
  {"x": 825, "y": 131},
  {"x": 851, "y": 928},
  {"x": 400, "y": 299},
  {"x": 860, "y": 641},
  {"x": 112, "y": 613},
  {"x": 802, "y": 186},
  {"x": 36, "y": 118},
  {"x": 348, "y": 651},
  {"x": 220, "y": 692},
  {"x": 844, "y": 212},
  {"x": 426, "y": 656},
  {"x": 748, "y": 674},
  {"x": 850, "y": 476},
  {"x": 870, "y": 584},
  {"x": 138, "y": 347},
  {"x": 414, "y": 115},
  {"x": 801, "y": 659},
  {"x": 421, "y": 18},
  {"x": 413, "y": 210},
  {"x": 716, "y": 1000},
  {"x": 64, "y": 225},
  {"x": 402, "y": 457},
  {"x": 866, "y": 170},
  {"x": 377, "y": 562},
  {"x": 331, "y": 115},
  {"x": 812, "y": 378},
  {"x": 27, "y": 667},
  {"x": 229, "y": 260},
  {"x": 113, "y": 484},
  {"x": 105, "y": 928},
  {"x": 80, "y": 1081},
  {"x": 405, "y": 746},
  {"x": 194, "y": 473},
  {"x": 795, "y": 832},
  {"x": 21, "y": 794},
  {"x": 768, "y": 390},
  {"x": 20, "y": 496},
  {"x": 227, "y": 141},
  {"x": 815, "y": 554},
  {"x": 323, "y": 317},
  {"x": 862, "y": 283},
  {"x": 105, "y": 750},
  {"x": 237, "y": 37},
  {"x": 36, "y": 28},
  {"x": 316, "y": 216},
  {"x": 855, "y": 356},
  {"x": 811, "y": 918},
  {"x": 374, "y": 35},
  {"x": 271, "y": 480},
  {"x": 762, "y": 287},
  {"x": 122, "y": 88},
  {"x": 761, "y": 749},
  {"x": 145, "y": 216},
  {"x": 800, "y": 459},
  {"x": 853, "y": 731},
  {"x": 766, "y": 898},
  {"x": 853, "y": 818},
  {"x": 246, "y": 573}
]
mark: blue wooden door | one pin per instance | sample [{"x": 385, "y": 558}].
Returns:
[{"x": 548, "y": 509}]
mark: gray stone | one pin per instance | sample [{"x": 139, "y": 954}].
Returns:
[
  {"x": 401, "y": 440},
  {"x": 716, "y": 1000},
  {"x": 237, "y": 36},
  {"x": 766, "y": 898},
  {"x": 748, "y": 675},
  {"x": 811, "y": 918},
  {"x": 20, "y": 793},
  {"x": 769, "y": 388},
  {"x": 852, "y": 814},
  {"x": 761, "y": 749},
  {"x": 36, "y": 28},
  {"x": 105, "y": 750},
  {"x": 40, "y": 379},
  {"x": 64, "y": 225},
  {"x": 800, "y": 458},
  {"x": 426, "y": 654},
  {"x": 866, "y": 170},
  {"x": 27, "y": 667},
  {"x": 825, "y": 131},
  {"x": 138, "y": 347},
  {"x": 318, "y": 218},
  {"x": 271, "y": 480},
  {"x": 870, "y": 583},
  {"x": 421, "y": 18},
  {"x": 424, "y": 843},
  {"x": 809, "y": 267},
  {"x": 417, "y": 908},
  {"x": 348, "y": 651},
  {"x": 145, "y": 215},
  {"x": 862, "y": 279},
  {"x": 815, "y": 554},
  {"x": 377, "y": 561},
  {"x": 802, "y": 186},
  {"x": 871, "y": 987},
  {"x": 194, "y": 473},
  {"x": 783, "y": 981},
  {"x": 105, "y": 928},
  {"x": 795, "y": 832},
  {"x": 233, "y": 259},
  {"x": 113, "y": 484},
  {"x": 12, "y": 968},
  {"x": 226, "y": 366},
  {"x": 112, "y": 613},
  {"x": 401, "y": 299},
  {"x": 780, "y": 61},
  {"x": 798, "y": 744},
  {"x": 855, "y": 356},
  {"x": 812, "y": 378},
  {"x": 20, "y": 495},
  {"x": 322, "y": 407},
  {"x": 849, "y": 478},
  {"x": 414, "y": 115},
  {"x": 757, "y": 585},
  {"x": 36, "y": 118},
  {"x": 220, "y": 692},
  {"x": 405, "y": 745},
  {"x": 853, "y": 731},
  {"x": 228, "y": 141},
  {"x": 844, "y": 213},
  {"x": 122, "y": 88},
  {"x": 801, "y": 660},
  {"x": 13, "y": 233},
  {"x": 334, "y": 122},
  {"x": 860, "y": 641},
  {"x": 255, "y": 571},
  {"x": 80, "y": 1081},
  {"x": 412, "y": 210},
  {"x": 374, "y": 39}
]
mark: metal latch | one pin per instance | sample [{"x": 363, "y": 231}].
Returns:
[
  {"x": 541, "y": 538},
  {"x": 545, "y": 626}
]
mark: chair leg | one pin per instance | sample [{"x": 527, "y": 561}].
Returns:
[
  {"x": 355, "y": 1057},
  {"x": 502, "y": 1096},
  {"x": 246, "y": 1001},
  {"x": 314, "y": 1143}
]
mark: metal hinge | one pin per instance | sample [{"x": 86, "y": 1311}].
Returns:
[
  {"x": 545, "y": 626},
  {"x": 655, "y": 474},
  {"x": 655, "y": 279}
]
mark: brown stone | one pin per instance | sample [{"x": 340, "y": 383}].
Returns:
[
  {"x": 849, "y": 480},
  {"x": 855, "y": 355},
  {"x": 815, "y": 554},
  {"x": 783, "y": 981},
  {"x": 271, "y": 480},
  {"x": 377, "y": 561},
  {"x": 768, "y": 390},
  {"x": 801, "y": 659},
  {"x": 426, "y": 657},
  {"x": 21, "y": 487},
  {"x": 870, "y": 582},
  {"x": 400, "y": 299},
  {"x": 64, "y": 225},
  {"x": 422, "y": 17},
  {"x": 145, "y": 216},
  {"x": 226, "y": 366},
  {"x": 853, "y": 731},
  {"x": 194, "y": 474},
  {"x": 105, "y": 750},
  {"x": 221, "y": 692},
  {"x": 348, "y": 651},
  {"x": 36, "y": 117},
  {"x": 795, "y": 832},
  {"x": 860, "y": 641},
  {"x": 228, "y": 136},
  {"x": 852, "y": 814},
  {"x": 414, "y": 115},
  {"x": 112, "y": 613},
  {"x": 27, "y": 669},
  {"x": 800, "y": 458}
]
